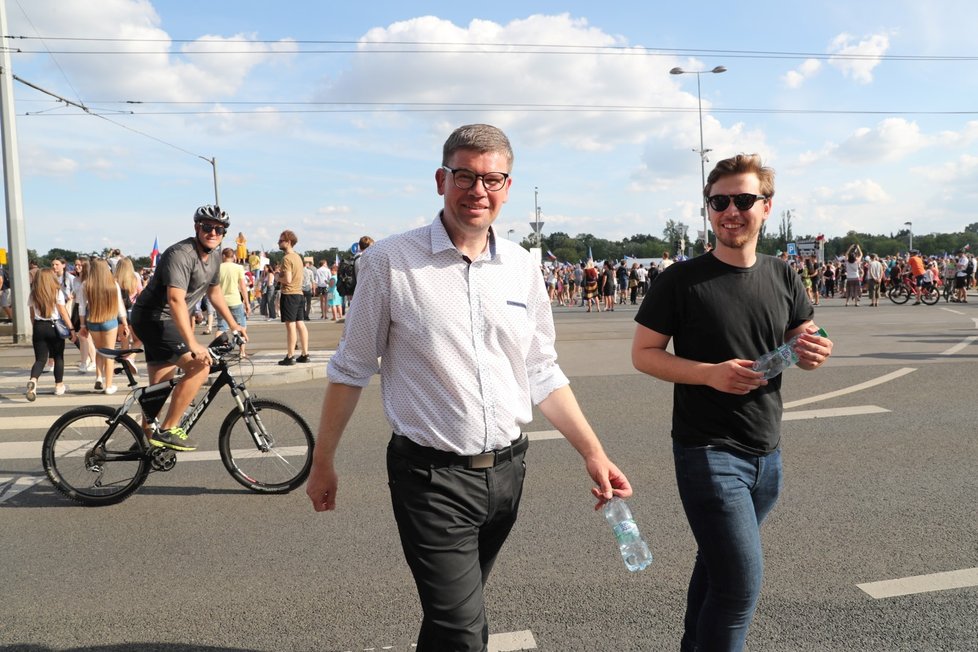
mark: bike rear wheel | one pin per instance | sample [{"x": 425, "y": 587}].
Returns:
[
  {"x": 288, "y": 443},
  {"x": 88, "y": 474}
]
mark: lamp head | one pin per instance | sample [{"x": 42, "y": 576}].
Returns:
[{"x": 676, "y": 71}]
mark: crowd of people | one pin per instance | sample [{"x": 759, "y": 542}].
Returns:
[
  {"x": 599, "y": 287},
  {"x": 92, "y": 303},
  {"x": 857, "y": 274}
]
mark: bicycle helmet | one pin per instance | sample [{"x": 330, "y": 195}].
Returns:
[{"x": 212, "y": 212}]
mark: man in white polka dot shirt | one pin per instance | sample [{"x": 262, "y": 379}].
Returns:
[{"x": 461, "y": 322}]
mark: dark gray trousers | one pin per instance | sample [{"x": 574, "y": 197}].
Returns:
[{"x": 452, "y": 522}]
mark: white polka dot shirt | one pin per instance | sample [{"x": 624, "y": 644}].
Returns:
[{"x": 465, "y": 349}]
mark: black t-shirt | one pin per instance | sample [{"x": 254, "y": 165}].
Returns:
[
  {"x": 180, "y": 266},
  {"x": 715, "y": 312}
]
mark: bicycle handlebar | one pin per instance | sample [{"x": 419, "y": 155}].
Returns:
[{"x": 218, "y": 348}]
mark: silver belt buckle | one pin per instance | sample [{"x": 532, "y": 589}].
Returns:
[{"x": 482, "y": 460}]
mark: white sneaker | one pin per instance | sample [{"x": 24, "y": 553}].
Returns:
[
  {"x": 84, "y": 368},
  {"x": 60, "y": 391},
  {"x": 111, "y": 389}
]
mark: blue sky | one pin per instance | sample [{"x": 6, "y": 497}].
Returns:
[{"x": 865, "y": 113}]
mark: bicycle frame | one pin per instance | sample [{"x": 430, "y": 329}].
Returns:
[
  {"x": 241, "y": 397},
  {"x": 238, "y": 391}
]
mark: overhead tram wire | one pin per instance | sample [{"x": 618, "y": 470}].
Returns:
[
  {"x": 89, "y": 111},
  {"x": 48, "y": 51},
  {"x": 450, "y": 107},
  {"x": 357, "y": 47}
]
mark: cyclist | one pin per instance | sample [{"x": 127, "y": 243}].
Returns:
[
  {"x": 161, "y": 318},
  {"x": 916, "y": 263}
]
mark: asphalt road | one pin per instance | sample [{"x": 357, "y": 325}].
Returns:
[{"x": 880, "y": 484}]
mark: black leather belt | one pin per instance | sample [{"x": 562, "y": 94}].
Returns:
[{"x": 425, "y": 455}]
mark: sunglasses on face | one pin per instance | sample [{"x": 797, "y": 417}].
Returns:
[
  {"x": 212, "y": 228},
  {"x": 743, "y": 202}
]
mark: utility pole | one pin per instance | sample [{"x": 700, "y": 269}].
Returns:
[{"x": 16, "y": 234}]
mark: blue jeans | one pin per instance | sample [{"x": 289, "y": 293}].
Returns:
[
  {"x": 726, "y": 495},
  {"x": 238, "y": 312}
]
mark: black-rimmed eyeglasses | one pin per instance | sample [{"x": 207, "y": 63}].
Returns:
[
  {"x": 465, "y": 179},
  {"x": 743, "y": 202}
]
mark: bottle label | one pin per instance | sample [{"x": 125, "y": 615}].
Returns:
[
  {"x": 626, "y": 531},
  {"x": 787, "y": 354}
]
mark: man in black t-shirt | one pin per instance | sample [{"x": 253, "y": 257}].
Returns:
[
  {"x": 161, "y": 318},
  {"x": 723, "y": 310}
]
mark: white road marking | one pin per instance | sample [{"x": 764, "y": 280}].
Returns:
[
  {"x": 512, "y": 641},
  {"x": 960, "y": 345},
  {"x": 505, "y": 642},
  {"x": 70, "y": 399},
  {"x": 27, "y": 450},
  {"x": 832, "y": 412},
  {"x": 946, "y": 581},
  {"x": 850, "y": 390},
  {"x": 29, "y": 423},
  {"x": 10, "y": 486},
  {"x": 544, "y": 434}
]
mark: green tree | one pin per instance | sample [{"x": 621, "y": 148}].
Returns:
[
  {"x": 674, "y": 232},
  {"x": 784, "y": 228}
]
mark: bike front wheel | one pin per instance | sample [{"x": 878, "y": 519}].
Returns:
[
  {"x": 94, "y": 474},
  {"x": 899, "y": 295},
  {"x": 269, "y": 449},
  {"x": 930, "y": 296}
]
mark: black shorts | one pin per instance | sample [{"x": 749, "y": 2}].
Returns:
[
  {"x": 162, "y": 342},
  {"x": 292, "y": 307}
]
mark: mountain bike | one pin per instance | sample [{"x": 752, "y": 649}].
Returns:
[
  {"x": 99, "y": 455},
  {"x": 901, "y": 292}
]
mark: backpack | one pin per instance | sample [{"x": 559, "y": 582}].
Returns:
[
  {"x": 970, "y": 269},
  {"x": 346, "y": 277}
]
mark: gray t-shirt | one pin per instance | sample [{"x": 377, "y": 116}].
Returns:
[{"x": 180, "y": 266}]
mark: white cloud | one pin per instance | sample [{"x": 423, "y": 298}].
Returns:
[
  {"x": 858, "y": 60},
  {"x": 860, "y": 191},
  {"x": 332, "y": 211},
  {"x": 891, "y": 140},
  {"x": 571, "y": 95},
  {"x": 146, "y": 68},
  {"x": 43, "y": 162},
  {"x": 795, "y": 78},
  {"x": 960, "y": 174}
]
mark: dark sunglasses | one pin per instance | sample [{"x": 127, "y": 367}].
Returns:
[
  {"x": 743, "y": 202},
  {"x": 211, "y": 228}
]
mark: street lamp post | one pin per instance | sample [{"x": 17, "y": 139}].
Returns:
[
  {"x": 536, "y": 224},
  {"x": 213, "y": 162},
  {"x": 702, "y": 150},
  {"x": 910, "y": 224}
]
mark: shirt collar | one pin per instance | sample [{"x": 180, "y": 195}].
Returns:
[{"x": 441, "y": 242}]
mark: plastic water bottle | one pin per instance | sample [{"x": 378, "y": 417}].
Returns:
[
  {"x": 774, "y": 362},
  {"x": 633, "y": 549}
]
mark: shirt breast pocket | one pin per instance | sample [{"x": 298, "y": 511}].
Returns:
[{"x": 514, "y": 325}]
